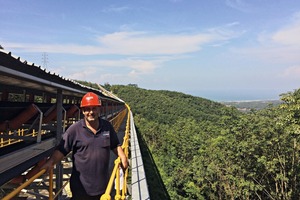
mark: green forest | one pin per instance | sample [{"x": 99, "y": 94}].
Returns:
[{"x": 195, "y": 148}]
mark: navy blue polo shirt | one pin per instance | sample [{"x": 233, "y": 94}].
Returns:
[{"x": 90, "y": 155}]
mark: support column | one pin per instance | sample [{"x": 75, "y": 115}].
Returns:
[{"x": 59, "y": 132}]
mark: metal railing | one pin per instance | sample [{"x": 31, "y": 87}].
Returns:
[
  {"x": 25, "y": 184},
  {"x": 115, "y": 177},
  {"x": 17, "y": 136},
  {"x": 115, "y": 174}
]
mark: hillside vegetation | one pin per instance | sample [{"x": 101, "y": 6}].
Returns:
[
  {"x": 205, "y": 150},
  {"x": 195, "y": 148}
]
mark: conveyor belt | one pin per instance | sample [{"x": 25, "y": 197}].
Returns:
[
  {"x": 17, "y": 158},
  {"x": 23, "y": 144}
]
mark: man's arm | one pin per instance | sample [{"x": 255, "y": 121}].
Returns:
[
  {"x": 54, "y": 158},
  {"x": 119, "y": 152}
]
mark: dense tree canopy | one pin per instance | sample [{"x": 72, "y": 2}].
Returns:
[{"x": 206, "y": 150}]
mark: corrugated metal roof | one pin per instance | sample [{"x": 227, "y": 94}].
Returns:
[{"x": 20, "y": 74}]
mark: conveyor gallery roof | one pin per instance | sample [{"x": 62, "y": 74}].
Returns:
[{"x": 17, "y": 74}]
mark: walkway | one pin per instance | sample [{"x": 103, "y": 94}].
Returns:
[{"x": 139, "y": 185}]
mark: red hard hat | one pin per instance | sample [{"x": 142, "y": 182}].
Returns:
[{"x": 90, "y": 99}]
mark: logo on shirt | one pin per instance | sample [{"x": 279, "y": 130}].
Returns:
[{"x": 106, "y": 134}]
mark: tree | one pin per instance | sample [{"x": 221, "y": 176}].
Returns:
[
  {"x": 289, "y": 122},
  {"x": 204, "y": 150}
]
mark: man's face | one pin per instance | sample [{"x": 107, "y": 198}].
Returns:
[{"x": 91, "y": 113}]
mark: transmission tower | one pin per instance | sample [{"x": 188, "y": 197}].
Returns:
[{"x": 45, "y": 60}]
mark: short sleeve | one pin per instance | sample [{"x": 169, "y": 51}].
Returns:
[{"x": 65, "y": 144}]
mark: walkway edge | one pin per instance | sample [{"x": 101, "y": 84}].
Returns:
[{"x": 139, "y": 185}]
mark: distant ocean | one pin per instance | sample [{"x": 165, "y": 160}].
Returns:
[{"x": 239, "y": 95}]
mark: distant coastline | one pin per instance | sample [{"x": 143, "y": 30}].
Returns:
[
  {"x": 246, "y": 106},
  {"x": 239, "y": 95}
]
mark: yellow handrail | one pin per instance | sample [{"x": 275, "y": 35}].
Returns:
[
  {"x": 51, "y": 184},
  {"x": 25, "y": 184},
  {"x": 29, "y": 181},
  {"x": 60, "y": 190},
  {"x": 116, "y": 171},
  {"x": 106, "y": 195}
]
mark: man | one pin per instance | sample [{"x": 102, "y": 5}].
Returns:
[{"x": 90, "y": 141}]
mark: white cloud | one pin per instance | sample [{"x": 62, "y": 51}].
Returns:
[
  {"x": 240, "y": 5},
  {"x": 138, "y": 43},
  {"x": 143, "y": 66},
  {"x": 115, "y": 9},
  {"x": 269, "y": 54},
  {"x": 280, "y": 46},
  {"x": 292, "y": 72},
  {"x": 84, "y": 73},
  {"x": 223, "y": 34},
  {"x": 289, "y": 35},
  {"x": 132, "y": 43},
  {"x": 149, "y": 51},
  {"x": 139, "y": 65}
]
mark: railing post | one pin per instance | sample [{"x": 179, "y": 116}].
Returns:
[
  {"x": 64, "y": 120},
  {"x": 51, "y": 184},
  {"x": 117, "y": 196},
  {"x": 39, "y": 135}
]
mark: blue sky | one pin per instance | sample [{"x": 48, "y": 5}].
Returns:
[{"x": 216, "y": 49}]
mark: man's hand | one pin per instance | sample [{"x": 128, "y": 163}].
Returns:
[
  {"x": 55, "y": 158},
  {"x": 124, "y": 163},
  {"x": 48, "y": 165}
]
